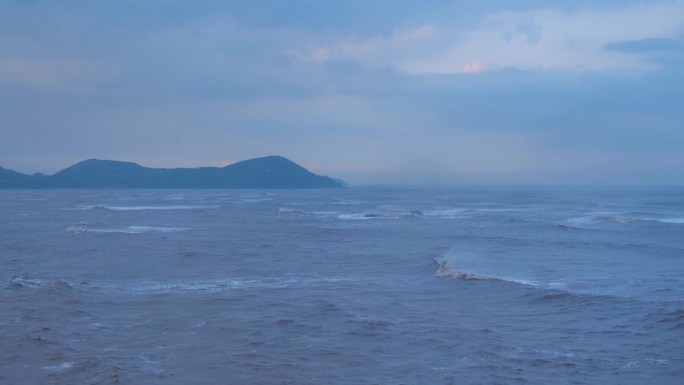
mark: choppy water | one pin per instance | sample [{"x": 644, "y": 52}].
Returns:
[{"x": 354, "y": 286}]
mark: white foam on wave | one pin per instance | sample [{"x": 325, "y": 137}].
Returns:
[
  {"x": 448, "y": 213},
  {"x": 446, "y": 267},
  {"x": 81, "y": 228},
  {"x": 254, "y": 199},
  {"x": 136, "y": 208},
  {"x": 59, "y": 368},
  {"x": 382, "y": 215},
  {"x": 346, "y": 216},
  {"x": 88, "y": 207},
  {"x": 132, "y": 208},
  {"x": 605, "y": 280},
  {"x": 678, "y": 221},
  {"x": 648, "y": 361},
  {"x": 291, "y": 211},
  {"x": 503, "y": 210},
  {"x": 284, "y": 210},
  {"x": 624, "y": 219},
  {"x": 460, "y": 212},
  {"x": 343, "y": 201},
  {"x": 182, "y": 197},
  {"x": 215, "y": 286},
  {"x": 354, "y": 216},
  {"x": 78, "y": 228},
  {"x": 24, "y": 198},
  {"x": 603, "y": 218},
  {"x": 140, "y": 230},
  {"x": 26, "y": 281}
]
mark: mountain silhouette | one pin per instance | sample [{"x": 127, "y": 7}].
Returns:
[{"x": 262, "y": 173}]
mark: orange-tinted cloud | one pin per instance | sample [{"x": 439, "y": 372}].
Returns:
[{"x": 474, "y": 67}]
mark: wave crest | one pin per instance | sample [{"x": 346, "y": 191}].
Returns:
[
  {"x": 137, "y": 208},
  {"x": 445, "y": 268},
  {"x": 627, "y": 218},
  {"x": 83, "y": 228}
]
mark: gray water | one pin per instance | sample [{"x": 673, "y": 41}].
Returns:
[{"x": 353, "y": 286}]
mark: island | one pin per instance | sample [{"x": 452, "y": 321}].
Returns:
[{"x": 271, "y": 172}]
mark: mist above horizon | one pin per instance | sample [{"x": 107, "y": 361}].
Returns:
[{"x": 369, "y": 92}]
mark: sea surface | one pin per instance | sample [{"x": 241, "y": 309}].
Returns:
[{"x": 469, "y": 285}]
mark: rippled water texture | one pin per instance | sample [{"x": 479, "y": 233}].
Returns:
[{"x": 354, "y": 286}]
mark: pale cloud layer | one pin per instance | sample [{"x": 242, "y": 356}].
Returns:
[
  {"x": 422, "y": 92},
  {"x": 544, "y": 39}
]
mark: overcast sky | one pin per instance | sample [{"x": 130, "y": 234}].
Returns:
[{"x": 428, "y": 91}]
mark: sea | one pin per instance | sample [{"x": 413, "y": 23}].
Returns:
[{"x": 362, "y": 285}]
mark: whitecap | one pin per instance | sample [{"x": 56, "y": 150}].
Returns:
[
  {"x": 58, "y": 368},
  {"x": 447, "y": 213},
  {"x": 342, "y": 201},
  {"x": 25, "y": 281},
  {"x": 253, "y": 200},
  {"x": 603, "y": 218},
  {"x": 353, "y": 216},
  {"x": 291, "y": 211},
  {"x": 134, "y": 208},
  {"x": 139, "y": 230},
  {"x": 503, "y": 210},
  {"x": 657, "y": 361},
  {"x": 382, "y": 215},
  {"x": 446, "y": 268},
  {"x": 88, "y": 207},
  {"x": 678, "y": 221},
  {"x": 78, "y": 228},
  {"x": 650, "y": 361},
  {"x": 624, "y": 219},
  {"x": 215, "y": 286},
  {"x": 284, "y": 210}
]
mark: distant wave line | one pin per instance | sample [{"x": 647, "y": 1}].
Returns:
[{"x": 135, "y": 208}]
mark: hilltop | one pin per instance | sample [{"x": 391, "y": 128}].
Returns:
[{"x": 271, "y": 172}]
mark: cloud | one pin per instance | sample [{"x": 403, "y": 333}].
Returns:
[
  {"x": 456, "y": 91},
  {"x": 521, "y": 27},
  {"x": 534, "y": 39},
  {"x": 474, "y": 67},
  {"x": 649, "y": 45},
  {"x": 318, "y": 55},
  {"x": 382, "y": 51},
  {"x": 414, "y": 35},
  {"x": 56, "y": 74}
]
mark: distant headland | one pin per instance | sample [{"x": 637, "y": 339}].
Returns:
[{"x": 271, "y": 172}]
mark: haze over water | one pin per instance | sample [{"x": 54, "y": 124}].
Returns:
[{"x": 356, "y": 286}]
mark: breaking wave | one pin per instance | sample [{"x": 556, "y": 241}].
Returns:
[
  {"x": 447, "y": 268},
  {"x": 353, "y": 216},
  {"x": 626, "y": 219},
  {"x": 137, "y": 208},
  {"x": 58, "y": 368},
  {"x": 25, "y": 281},
  {"x": 448, "y": 213},
  {"x": 215, "y": 286},
  {"x": 82, "y": 228},
  {"x": 180, "y": 287},
  {"x": 382, "y": 214},
  {"x": 342, "y": 201}
]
